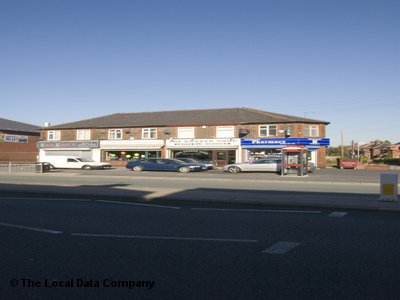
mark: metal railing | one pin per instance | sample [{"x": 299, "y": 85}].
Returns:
[{"x": 12, "y": 167}]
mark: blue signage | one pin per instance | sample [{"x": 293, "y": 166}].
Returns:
[
  {"x": 11, "y": 138},
  {"x": 282, "y": 142}
]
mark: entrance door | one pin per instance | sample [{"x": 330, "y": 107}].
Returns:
[{"x": 224, "y": 157}]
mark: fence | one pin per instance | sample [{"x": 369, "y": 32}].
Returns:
[{"x": 10, "y": 167}]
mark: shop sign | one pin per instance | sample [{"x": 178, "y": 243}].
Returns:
[
  {"x": 203, "y": 143},
  {"x": 132, "y": 144},
  {"x": 11, "y": 138},
  {"x": 78, "y": 145},
  {"x": 281, "y": 142}
]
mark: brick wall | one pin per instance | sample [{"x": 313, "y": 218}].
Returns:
[{"x": 19, "y": 152}]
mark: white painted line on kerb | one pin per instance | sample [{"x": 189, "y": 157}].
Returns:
[
  {"x": 138, "y": 204},
  {"x": 31, "y": 228},
  {"x": 281, "y": 247},
  {"x": 337, "y": 214},
  {"x": 261, "y": 210},
  {"x": 175, "y": 238}
]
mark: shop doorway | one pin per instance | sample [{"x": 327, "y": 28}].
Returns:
[{"x": 224, "y": 157}]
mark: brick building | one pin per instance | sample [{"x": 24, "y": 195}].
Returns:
[
  {"x": 221, "y": 135},
  {"x": 18, "y": 141}
]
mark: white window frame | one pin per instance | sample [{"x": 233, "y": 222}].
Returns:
[
  {"x": 267, "y": 129},
  {"x": 53, "y": 135},
  {"x": 83, "y": 134},
  {"x": 149, "y": 133},
  {"x": 115, "y": 134},
  {"x": 225, "y": 131},
  {"x": 185, "y": 132},
  {"x": 311, "y": 130}
]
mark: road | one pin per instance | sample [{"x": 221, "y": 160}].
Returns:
[{"x": 79, "y": 248}]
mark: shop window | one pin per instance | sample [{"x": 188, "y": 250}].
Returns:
[
  {"x": 225, "y": 132},
  {"x": 267, "y": 130},
  {"x": 115, "y": 134},
  {"x": 186, "y": 132},
  {"x": 54, "y": 135},
  {"x": 82, "y": 135},
  {"x": 115, "y": 155},
  {"x": 149, "y": 133},
  {"x": 311, "y": 131}
]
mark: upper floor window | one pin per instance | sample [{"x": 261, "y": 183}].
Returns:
[
  {"x": 225, "y": 131},
  {"x": 83, "y": 134},
  {"x": 115, "y": 134},
  {"x": 267, "y": 130},
  {"x": 53, "y": 135},
  {"x": 186, "y": 132},
  {"x": 311, "y": 131},
  {"x": 149, "y": 133}
]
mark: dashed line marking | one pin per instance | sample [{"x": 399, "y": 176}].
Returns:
[
  {"x": 337, "y": 214},
  {"x": 31, "y": 228},
  {"x": 281, "y": 247},
  {"x": 123, "y": 236}
]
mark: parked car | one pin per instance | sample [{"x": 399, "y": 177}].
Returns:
[
  {"x": 208, "y": 165},
  {"x": 73, "y": 162},
  {"x": 160, "y": 164},
  {"x": 311, "y": 167},
  {"x": 259, "y": 165}
]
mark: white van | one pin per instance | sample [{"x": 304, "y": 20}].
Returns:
[{"x": 74, "y": 162}]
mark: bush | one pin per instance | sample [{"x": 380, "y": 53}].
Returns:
[{"x": 387, "y": 161}]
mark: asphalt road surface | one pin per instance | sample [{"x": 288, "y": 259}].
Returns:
[{"x": 78, "y": 248}]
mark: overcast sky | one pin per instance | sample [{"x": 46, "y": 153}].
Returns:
[{"x": 332, "y": 60}]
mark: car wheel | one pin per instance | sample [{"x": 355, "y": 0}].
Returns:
[
  {"x": 86, "y": 167},
  {"x": 184, "y": 169},
  {"x": 51, "y": 167},
  {"x": 137, "y": 168},
  {"x": 234, "y": 169}
]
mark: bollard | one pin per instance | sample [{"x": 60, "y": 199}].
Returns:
[{"x": 389, "y": 189}]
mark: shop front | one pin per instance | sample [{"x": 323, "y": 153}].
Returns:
[
  {"x": 265, "y": 147},
  {"x": 86, "y": 149},
  {"x": 119, "y": 152},
  {"x": 219, "y": 151}
]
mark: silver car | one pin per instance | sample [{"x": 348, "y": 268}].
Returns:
[{"x": 260, "y": 165}]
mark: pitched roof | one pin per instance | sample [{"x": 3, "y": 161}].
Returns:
[
  {"x": 187, "y": 117},
  {"x": 9, "y": 125}
]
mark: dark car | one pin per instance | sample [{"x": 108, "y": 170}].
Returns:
[
  {"x": 206, "y": 164},
  {"x": 160, "y": 164}
]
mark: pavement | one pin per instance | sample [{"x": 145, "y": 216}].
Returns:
[{"x": 338, "y": 192}]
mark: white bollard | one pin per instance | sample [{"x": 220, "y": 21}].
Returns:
[{"x": 389, "y": 189}]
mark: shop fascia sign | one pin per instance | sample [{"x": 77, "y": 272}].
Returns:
[
  {"x": 131, "y": 143},
  {"x": 11, "y": 138},
  {"x": 68, "y": 145},
  {"x": 202, "y": 142},
  {"x": 281, "y": 142}
]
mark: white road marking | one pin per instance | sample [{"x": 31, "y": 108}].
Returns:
[
  {"x": 261, "y": 210},
  {"x": 149, "y": 237},
  {"x": 31, "y": 228},
  {"x": 37, "y": 198},
  {"x": 138, "y": 204},
  {"x": 281, "y": 247},
  {"x": 337, "y": 214}
]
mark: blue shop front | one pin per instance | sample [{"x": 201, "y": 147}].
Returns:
[{"x": 264, "y": 147}]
